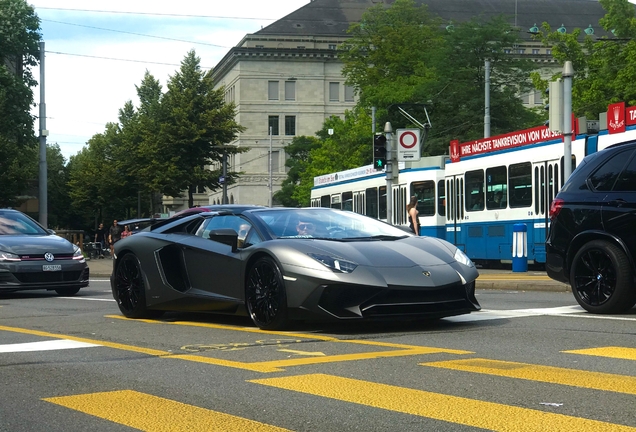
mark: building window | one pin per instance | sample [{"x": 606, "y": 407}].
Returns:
[
  {"x": 275, "y": 161},
  {"x": 349, "y": 93},
  {"x": 260, "y": 46},
  {"x": 521, "y": 51},
  {"x": 548, "y": 51},
  {"x": 507, "y": 51},
  {"x": 272, "y": 90},
  {"x": 301, "y": 46},
  {"x": 334, "y": 92},
  {"x": 538, "y": 99},
  {"x": 525, "y": 98},
  {"x": 273, "y": 125},
  {"x": 332, "y": 46},
  {"x": 290, "y": 125},
  {"x": 535, "y": 50},
  {"x": 290, "y": 90}
]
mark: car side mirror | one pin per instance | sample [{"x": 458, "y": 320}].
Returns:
[
  {"x": 50, "y": 231},
  {"x": 226, "y": 236}
]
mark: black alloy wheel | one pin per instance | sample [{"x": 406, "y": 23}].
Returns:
[
  {"x": 265, "y": 295},
  {"x": 602, "y": 278},
  {"x": 67, "y": 292},
  {"x": 130, "y": 289}
]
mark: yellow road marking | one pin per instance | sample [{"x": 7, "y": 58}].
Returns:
[
  {"x": 611, "y": 352},
  {"x": 305, "y": 353},
  {"x": 267, "y": 366},
  {"x": 547, "y": 374},
  {"x": 459, "y": 410},
  {"x": 151, "y": 413}
]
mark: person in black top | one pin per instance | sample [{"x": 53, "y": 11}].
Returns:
[
  {"x": 114, "y": 235},
  {"x": 100, "y": 239}
]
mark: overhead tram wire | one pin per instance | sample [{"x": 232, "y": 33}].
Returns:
[
  {"x": 137, "y": 34},
  {"x": 118, "y": 59},
  {"x": 158, "y": 14}
]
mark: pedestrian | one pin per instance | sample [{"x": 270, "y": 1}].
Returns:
[
  {"x": 126, "y": 232},
  {"x": 100, "y": 239},
  {"x": 114, "y": 235},
  {"x": 414, "y": 220}
]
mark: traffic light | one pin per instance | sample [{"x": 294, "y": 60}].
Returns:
[{"x": 379, "y": 152}]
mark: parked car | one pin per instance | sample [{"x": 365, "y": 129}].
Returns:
[
  {"x": 592, "y": 239},
  {"x": 33, "y": 257},
  {"x": 281, "y": 264}
]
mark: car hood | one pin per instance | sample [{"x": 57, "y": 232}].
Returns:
[
  {"x": 409, "y": 252},
  {"x": 35, "y": 245}
]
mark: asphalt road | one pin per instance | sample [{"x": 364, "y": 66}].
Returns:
[{"x": 530, "y": 361}]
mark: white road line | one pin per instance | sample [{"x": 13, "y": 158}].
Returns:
[
  {"x": 98, "y": 280},
  {"x": 51, "y": 345},
  {"x": 491, "y": 314},
  {"x": 86, "y": 298}
]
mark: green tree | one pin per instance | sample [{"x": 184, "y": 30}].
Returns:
[
  {"x": 298, "y": 151},
  {"x": 196, "y": 125},
  {"x": 604, "y": 68},
  {"x": 19, "y": 27}
]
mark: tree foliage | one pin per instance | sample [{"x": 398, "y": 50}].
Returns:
[
  {"x": 604, "y": 68},
  {"x": 19, "y": 38}
]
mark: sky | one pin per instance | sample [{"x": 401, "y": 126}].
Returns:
[{"x": 97, "y": 52}]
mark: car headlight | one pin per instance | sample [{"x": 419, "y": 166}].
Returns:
[
  {"x": 336, "y": 264},
  {"x": 8, "y": 256},
  {"x": 462, "y": 258},
  {"x": 77, "y": 253}
]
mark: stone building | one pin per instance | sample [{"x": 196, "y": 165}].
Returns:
[{"x": 287, "y": 77}]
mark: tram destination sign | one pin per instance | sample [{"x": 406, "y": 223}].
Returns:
[{"x": 501, "y": 142}]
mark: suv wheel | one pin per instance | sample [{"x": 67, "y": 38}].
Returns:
[{"x": 602, "y": 278}]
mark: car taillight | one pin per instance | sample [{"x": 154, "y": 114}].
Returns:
[{"x": 555, "y": 208}]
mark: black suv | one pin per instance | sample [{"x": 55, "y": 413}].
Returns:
[{"x": 592, "y": 240}]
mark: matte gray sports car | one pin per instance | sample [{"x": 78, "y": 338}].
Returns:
[
  {"x": 286, "y": 264},
  {"x": 32, "y": 257}
]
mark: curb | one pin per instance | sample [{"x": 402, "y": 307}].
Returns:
[{"x": 521, "y": 285}]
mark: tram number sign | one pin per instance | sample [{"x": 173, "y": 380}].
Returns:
[{"x": 408, "y": 145}]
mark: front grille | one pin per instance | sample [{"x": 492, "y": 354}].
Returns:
[{"x": 48, "y": 277}]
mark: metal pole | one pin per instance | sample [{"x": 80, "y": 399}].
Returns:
[
  {"x": 270, "y": 167},
  {"x": 568, "y": 73},
  {"x": 224, "y": 199},
  {"x": 487, "y": 101},
  {"x": 43, "y": 183},
  {"x": 138, "y": 203},
  {"x": 372, "y": 129},
  {"x": 388, "y": 130}
]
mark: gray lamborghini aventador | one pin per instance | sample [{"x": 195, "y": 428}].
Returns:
[{"x": 283, "y": 264}]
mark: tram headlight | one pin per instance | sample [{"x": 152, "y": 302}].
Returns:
[{"x": 462, "y": 258}]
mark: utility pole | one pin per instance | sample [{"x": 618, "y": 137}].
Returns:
[
  {"x": 487, "y": 100},
  {"x": 43, "y": 183},
  {"x": 568, "y": 73},
  {"x": 388, "y": 130},
  {"x": 270, "y": 168}
]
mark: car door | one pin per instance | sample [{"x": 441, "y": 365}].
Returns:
[
  {"x": 212, "y": 266},
  {"x": 618, "y": 210}
]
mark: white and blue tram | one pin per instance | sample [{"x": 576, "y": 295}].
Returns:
[
  {"x": 473, "y": 200},
  {"x": 363, "y": 190}
]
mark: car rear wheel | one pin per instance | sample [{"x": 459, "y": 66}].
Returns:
[
  {"x": 130, "y": 289},
  {"x": 265, "y": 295},
  {"x": 601, "y": 277},
  {"x": 67, "y": 292}
]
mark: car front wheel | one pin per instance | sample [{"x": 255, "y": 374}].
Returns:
[
  {"x": 265, "y": 295},
  {"x": 130, "y": 289},
  {"x": 602, "y": 278}
]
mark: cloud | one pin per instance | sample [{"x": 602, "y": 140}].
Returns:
[{"x": 87, "y": 79}]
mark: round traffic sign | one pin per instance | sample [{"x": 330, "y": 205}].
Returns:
[{"x": 408, "y": 139}]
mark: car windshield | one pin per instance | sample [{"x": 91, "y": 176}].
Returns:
[
  {"x": 13, "y": 223},
  {"x": 327, "y": 224}
]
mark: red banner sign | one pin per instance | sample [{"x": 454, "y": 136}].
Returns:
[
  {"x": 501, "y": 142},
  {"x": 616, "y": 118},
  {"x": 630, "y": 116}
]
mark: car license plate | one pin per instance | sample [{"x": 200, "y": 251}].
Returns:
[{"x": 56, "y": 267}]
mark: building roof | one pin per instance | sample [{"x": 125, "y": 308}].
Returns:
[{"x": 332, "y": 18}]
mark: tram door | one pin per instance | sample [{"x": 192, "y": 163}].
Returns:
[
  {"x": 359, "y": 202},
  {"x": 400, "y": 200},
  {"x": 455, "y": 206},
  {"x": 546, "y": 184}
]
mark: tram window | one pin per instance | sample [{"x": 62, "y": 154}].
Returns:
[
  {"x": 550, "y": 183},
  {"x": 347, "y": 201},
  {"x": 563, "y": 180},
  {"x": 520, "y": 185},
  {"x": 537, "y": 186},
  {"x": 474, "y": 190},
  {"x": 336, "y": 201},
  {"x": 425, "y": 193},
  {"x": 542, "y": 201},
  {"x": 372, "y": 202},
  {"x": 382, "y": 205},
  {"x": 325, "y": 201},
  {"x": 441, "y": 198},
  {"x": 496, "y": 188}
]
